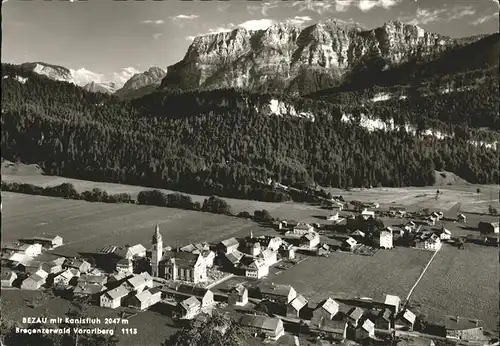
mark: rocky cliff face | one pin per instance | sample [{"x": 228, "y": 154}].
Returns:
[
  {"x": 299, "y": 59},
  {"x": 105, "y": 88},
  {"x": 142, "y": 83},
  {"x": 54, "y": 72}
]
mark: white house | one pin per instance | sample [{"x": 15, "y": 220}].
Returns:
[
  {"x": 445, "y": 234},
  {"x": 25, "y": 249},
  {"x": 257, "y": 269},
  {"x": 63, "y": 278},
  {"x": 8, "y": 277},
  {"x": 113, "y": 298},
  {"x": 366, "y": 214},
  {"x": 461, "y": 218},
  {"x": 135, "y": 251},
  {"x": 34, "y": 281},
  {"x": 269, "y": 256},
  {"x": 145, "y": 299}
]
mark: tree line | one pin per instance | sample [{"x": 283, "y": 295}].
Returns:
[{"x": 220, "y": 143}]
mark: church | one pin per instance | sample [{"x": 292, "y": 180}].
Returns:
[{"x": 176, "y": 265}]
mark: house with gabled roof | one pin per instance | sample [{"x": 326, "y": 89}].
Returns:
[
  {"x": 310, "y": 240},
  {"x": 138, "y": 282},
  {"x": 145, "y": 299},
  {"x": 382, "y": 318},
  {"x": 287, "y": 251},
  {"x": 80, "y": 264},
  {"x": 63, "y": 278},
  {"x": 295, "y": 306},
  {"x": 233, "y": 259},
  {"x": 205, "y": 296},
  {"x": 334, "y": 330},
  {"x": 461, "y": 218},
  {"x": 93, "y": 279},
  {"x": 271, "y": 327},
  {"x": 302, "y": 228},
  {"x": 269, "y": 256},
  {"x": 238, "y": 295},
  {"x": 25, "y": 249},
  {"x": 229, "y": 245},
  {"x": 283, "y": 294},
  {"x": 35, "y": 281},
  {"x": 113, "y": 298},
  {"x": 49, "y": 241},
  {"x": 257, "y": 269},
  {"x": 124, "y": 265},
  {"x": 349, "y": 244},
  {"x": 30, "y": 266},
  {"x": 405, "y": 321},
  {"x": 444, "y": 234},
  {"x": 135, "y": 251},
  {"x": 393, "y": 302},
  {"x": 326, "y": 310},
  {"x": 354, "y": 316},
  {"x": 187, "y": 309},
  {"x": 270, "y": 242},
  {"x": 427, "y": 241},
  {"x": 7, "y": 277},
  {"x": 365, "y": 330}
]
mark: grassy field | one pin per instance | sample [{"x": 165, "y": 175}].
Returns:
[
  {"x": 412, "y": 198},
  {"x": 152, "y": 327},
  {"x": 387, "y": 272},
  {"x": 461, "y": 282},
  {"x": 85, "y": 226}
]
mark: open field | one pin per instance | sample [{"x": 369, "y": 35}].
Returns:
[
  {"x": 464, "y": 194},
  {"x": 461, "y": 282},
  {"x": 388, "y": 271},
  {"x": 152, "y": 327},
  {"x": 86, "y": 226}
]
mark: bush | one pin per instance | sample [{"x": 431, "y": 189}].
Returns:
[
  {"x": 262, "y": 215},
  {"x": 244, "y": 215},
  {"x": 153, "y": 197}
]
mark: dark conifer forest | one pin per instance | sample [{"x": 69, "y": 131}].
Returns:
[{"x": 220, "y": 142}]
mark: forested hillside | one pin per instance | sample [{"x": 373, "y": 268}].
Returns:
[{"x": 218, "y": 142}]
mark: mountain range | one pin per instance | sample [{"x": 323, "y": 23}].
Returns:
[{"x": 303, "y": 60}]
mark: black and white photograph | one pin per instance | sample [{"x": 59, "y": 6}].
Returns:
[{"x": 250, "y": 172}]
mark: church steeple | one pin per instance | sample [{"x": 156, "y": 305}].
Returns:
[{"x": 157, "y": 251}]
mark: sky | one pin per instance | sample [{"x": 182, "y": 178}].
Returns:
[{"x": 109, "y": 40}]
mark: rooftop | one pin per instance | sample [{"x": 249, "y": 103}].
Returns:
[
  {"x": 88, "y": 289},
  {"x": 117, "y": 292},
  {"x": 190, "y": 303},
  {"x": 461, "y": 323},
  {"x": 261, "y": 322},
  {"x": 299, "y": 302}
]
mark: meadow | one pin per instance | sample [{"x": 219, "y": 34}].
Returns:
[
  {"x": 86, "y": 226},
  {"x": 387, "y": 272},
  {"x": 461, "y": 282}
]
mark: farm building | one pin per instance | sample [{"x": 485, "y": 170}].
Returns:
[
  {"x": 427, "y": 241},
  {"x": 63, "y": 279},
  {"x": 229, "y": 245},
  {"x": 8, "y": 277},
  {"x": 30, "y": 266},
  {"x": 138, "y": 282},
  {"x": 47, "y": 241},
  {"x": 205, "y": 296},
  {"x": 25, "y": 249},
  {"x": 310, "y": 240},
  {"x": 326, "y": 310},
  {"x": 293, "y": 309},
  {"x": 93, "y": 280},
  {"x": 349, "y": 244},
  {"x": 381, "y": 318},
  {"x": 393, "y": 302},
  {"x": 34, "y": 281},
  {"x": 135, "y": 251},
  {"x": 463, "y": 328},
  {"x": 488, "y": 227},
  {"x": 238, "y": 296},
  {"x": 354, "y": 316},
  {"x": 283, "y": 294},
  {"x": 302, "y": 229},
  {"x": 233, "y": 259},
  {"x": 334, "y": 330},
  {"x": 269, "y": 256},
  {"x": 366, "y": 330},
  {"x": 257, "y": 269},
  {"x": 80, "y": 264},
  {"x": 323, "y": 249},
  {"x": 271, "y": 243},
  {"x": 145, "y": 299},
  {"x": 271, "y": 327},
  {"x": 405, "y": 321},
  {"x": 444, "y": 234},
  {"x": 113, "y": 298},
  {"x": 187, "y": 309},
  {"x": 54, "y": 266}
]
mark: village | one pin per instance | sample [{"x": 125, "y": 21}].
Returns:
[{"x": 236, "y": 275}]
